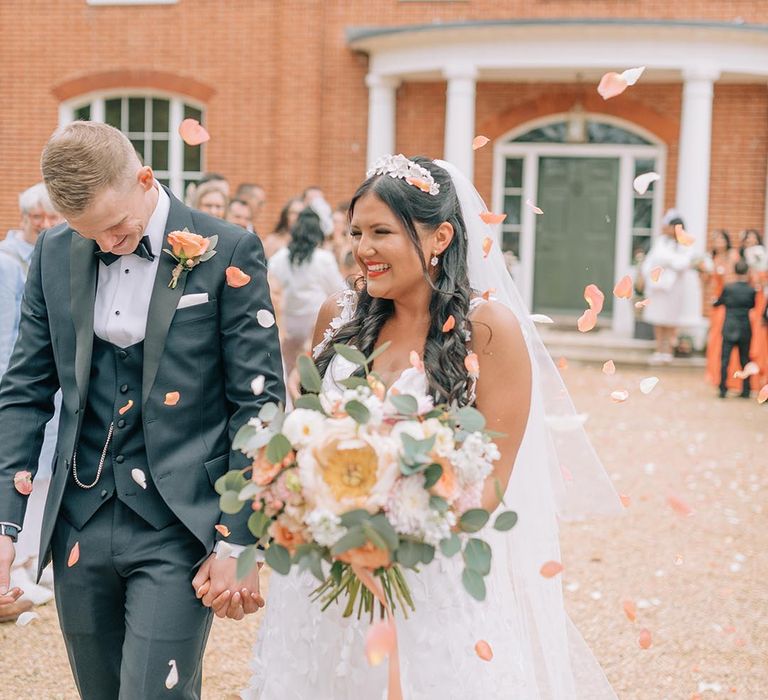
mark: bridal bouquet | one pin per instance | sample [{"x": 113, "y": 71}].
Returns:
[{"x": 361, "y": 483}]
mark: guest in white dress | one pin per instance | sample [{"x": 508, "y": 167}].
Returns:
[{"x": 306, "y": 275}]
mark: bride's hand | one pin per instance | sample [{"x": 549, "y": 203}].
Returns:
[{"x": 218, "y": 588}]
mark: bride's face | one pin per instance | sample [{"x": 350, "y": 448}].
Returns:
[{"x": 384, "y": 250}]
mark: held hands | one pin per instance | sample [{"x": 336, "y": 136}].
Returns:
[
  {"x": 217, "y": 586},
  {"x": 7, "y": 555}
]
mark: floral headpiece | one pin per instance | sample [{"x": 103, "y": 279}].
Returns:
[{"x": 412, "y": 173}]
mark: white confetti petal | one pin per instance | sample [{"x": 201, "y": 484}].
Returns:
[
  {"x": 643, "y": 182},
  {"x": 25, "y": 618},
  {"x": 540, "y": 318},
  {"x": 223, "y": 550},
  {"x": 566, "y": 423},
  {"x": 265, "y": 318},
  {"x": 619, "y": 396},
  {"x": 632, "y": 75},
  {"x": 647, "y": 385},
  {"x": 173, "y": 675},
  {"x": 257, "y": 385},
  {"x": 139, "y": 477}
]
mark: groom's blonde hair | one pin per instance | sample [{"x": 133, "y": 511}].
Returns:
[{"x": 82, "y": 159}]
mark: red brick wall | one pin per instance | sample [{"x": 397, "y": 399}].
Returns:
[{"x": 288, "y": 102}]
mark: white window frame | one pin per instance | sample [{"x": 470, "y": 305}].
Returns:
[
  {"x": 623, "y": 318},
  {"x": 176, "y": 173}
]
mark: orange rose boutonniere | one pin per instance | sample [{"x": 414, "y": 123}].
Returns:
[{"x": 189, "y": 250}]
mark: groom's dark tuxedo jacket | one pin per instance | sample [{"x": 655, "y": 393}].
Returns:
[{"x": 208, "y": 352}]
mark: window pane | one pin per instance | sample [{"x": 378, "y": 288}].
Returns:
[
  {"x": 138, "y": 144},
  {"x": 599, "y": 132},
  {"x": 643, "y": 214},
  {"x": 513, "y": 176},
  {"x": 160, "y": 155},
  {"x": 136, "y": 107},
  {"x": 641, "y": 243},
  {"x": 192, "y": 159},
  {"x": 510, "y": 242},
  {"x": 512, "y": 209},
  {"x": 112, "y": 112},
  {"x": 551, "y": 133},
  {"x": 191, "y": 112},
  {"x": 83, "y": 113},
  {"x": 160, "y": 118},
  {"x": 164, "y": 181},
  {"x": 644, "y": 165}
]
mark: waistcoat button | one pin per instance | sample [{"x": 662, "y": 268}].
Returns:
[{"x": 121, "y": 423}]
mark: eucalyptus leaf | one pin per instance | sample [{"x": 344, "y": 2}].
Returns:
[
  {"x": 278, "y": 558},
  {"x": 357, "y": 411},
  {"x": 310, "y": 401},
  {"x": 308, "y": 374},
  {"x": 353, "y": 382},
  {"x": 246, "y": 561},
  {"x": 405, "y": 404},
  {"x": 351, "y": 354},
  {"x": 470, "y": 419},
  {"x": 380, "y": 523},
  {"x": 248, "y": 491},
  {"x": 432, "y": 475},
  {"x": 258, "y": 524},
  {"x": 477, "y": 556},
  {"x": 242, "y": 436},
  {"x": 474, "y": 584},
  {"x": 267, "y": 412},
  {"x": 409, "y": 553},
  {"x": 505, "y": 521},
  {"x": 438, "y": 503},
  {"x": 474, "y": 520},
  {"x": 450, "y": 545},
  {"x": 278, "y": 448},
  {"x": 375, "y": 538},
  {"x": 353, "y": 539},
  {"x": 233, "y": 480},
  {"x": 427, "y": 553},
  {"x": 382, "y": 348},
  {"x": 229, "y": 503},
  {"x": 354, "y": 517}
]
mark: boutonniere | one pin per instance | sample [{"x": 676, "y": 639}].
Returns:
[{"x": 189, "y": 250}]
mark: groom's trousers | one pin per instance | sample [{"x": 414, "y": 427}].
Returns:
[{"x": 127, "y": 608}]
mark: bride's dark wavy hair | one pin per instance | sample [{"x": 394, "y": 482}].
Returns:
[{"x": 444, "y": 353}]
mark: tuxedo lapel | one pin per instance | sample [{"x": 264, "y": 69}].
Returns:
[
  {"x": 83, "y": 273},
  {"x": 162, "y": 305}
]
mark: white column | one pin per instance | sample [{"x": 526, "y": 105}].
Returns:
[
  {"x": 460, "y": 117},
  {"x": 381, "y": 116},
  {"x": 694, "y": 153}
]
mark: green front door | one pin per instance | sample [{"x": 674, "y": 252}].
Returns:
[{"x": 576, "y": 235}]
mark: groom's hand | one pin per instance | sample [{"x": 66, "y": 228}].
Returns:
[
  {"x": 7, "y": 555},
  {"x": 217, "y": 586}
]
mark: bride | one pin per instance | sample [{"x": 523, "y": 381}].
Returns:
[{"x": 426, "y": 255}]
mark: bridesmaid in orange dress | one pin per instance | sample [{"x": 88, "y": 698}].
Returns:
[
  {"x": 756, "y": 256},
  {"x": 716, "y": 272}
]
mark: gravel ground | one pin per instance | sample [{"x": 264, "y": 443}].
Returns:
[{"x": 698, "y": 582}]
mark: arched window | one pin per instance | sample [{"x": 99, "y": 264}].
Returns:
[
  {"x": 594, "y": 132},
  {"x": 151, "y": 121}
]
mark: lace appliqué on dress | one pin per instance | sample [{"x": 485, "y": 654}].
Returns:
[{"x": 347, "y": 302}]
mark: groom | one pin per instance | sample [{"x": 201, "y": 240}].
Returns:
[{"x": 156, "y": 380}]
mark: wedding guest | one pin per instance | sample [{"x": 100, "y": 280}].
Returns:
[
  {"x": 281, "y": 236},
  {"x": 219, "y": 180},
  {"x": 239, "y": 212},
  {"x": 754, "y": 253},
  {"x": 717, "y": 270},
  {"x": 256, "y": 198},
  {"x": 210, "y": 198},
  {"x": 307, "y": 275},
  {"x": 738, "y": 298},
  {"x": 667, "y": 291}
]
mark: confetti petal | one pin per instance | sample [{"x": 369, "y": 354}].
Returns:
[
  {"x": 173, "y": 675},
  {"x": 488, "y": 293},
  {"x": 656, "y": 273},
  {"x": 236, "y": 277},
  {"x": 644, "y": 640},
  {"x": 257, "y": 385},
  {"x": 22, "y": 482},
  {"x": 172, "y": 398},
  {"x": 533, "y": 207},
  {"x": 679, "y": 506},
  {"x": 643, "y": 182},
  {"x": 642, "y": 303},
  {"x": 587, "y": 321},
  {"x": 682, "y": 236},
  {"x": 626, "y": 501},
  {"x": 749, "y": 369},
  {"x": 265, "y": 318},
  {"x": 609, "y": 368},
  {"x": 450, "y": 324},
  {"x": 124, "y": 409},
  {"x": 550, "y": 569},
  {"x": 491, "y": 218},
  {"x": 619, "y": 396},
  {"x": 74, "y": 555},
  {"x": 223, "y": 530},
  {"x": 632, "y": 75},
  {"x": 487, "y": 245},
  {"x": 423, "y": 185},
  {"x": 611, "y": 85},
  {"x": 139, "y": 477},
  {"x": 223, "y": 550},
  {"x": 473, "y": 365},
  {"x": 479, "y": 142},
  {"x": 762, "y": 395},
  {"x": 624, "y": 288},
  {"x": 594, "y": 297},
  {"x": 415, "y": 361},
  {"x": 648, "y": 384},
  {"x": 562, "y": 363},
  {"x": 483, "y": 650},
  {"x": 630, "y": 610},
  {"x": 379, "y": 642},
  {"x": 540, "y": 318},
  {"x": 193, "y": 132},
  {"x": 25, "y": 618}
]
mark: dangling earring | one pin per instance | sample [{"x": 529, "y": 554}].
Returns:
[{"x": 433, "y": 261}]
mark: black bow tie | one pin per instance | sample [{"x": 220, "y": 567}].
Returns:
[{"x": 143, "y": 250}]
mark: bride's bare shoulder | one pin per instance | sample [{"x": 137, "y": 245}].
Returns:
[{"x": 493, "y": 323}]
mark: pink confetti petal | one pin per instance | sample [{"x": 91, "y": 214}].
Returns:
[
  {"x": 679, "y": 506},
  {"x": 483, "y": 650},
  {"x": 487, "y": 245},
  {"x": 124, "y": 409},
  {"x": 550, "y": 569},
  {"x": 656, "y": 273},
  {"x": 587, "y": 321},
  {"x": 193, "y": 133},
  {"x": 682, "y": 236},
  {"x": 416, "y": 361},
  {"x": 479, "y": 142},
  {"x": 624, "y": 288},
  {"x": 644, "y": 640},
  {"x": 749, "y": 369},
  {"x": 74, "y": 555},
  {"x": 762, "y": 395},
  {"x": 630, "y": 610},
  {"x": 472, "y": 365},
  {"x": 172, "y": 398},
  {"x": 491, "y": 218},
  {"x": 236, "y": 277},
  {"x": 609, "y": 368},
  {"x": 611, "y": 85},
  {"x": 22, "y": 482},
  {"x": 223, "y": 530},
  {"x": 626, "y": 501},
  {"x": 594, "y": 297}
]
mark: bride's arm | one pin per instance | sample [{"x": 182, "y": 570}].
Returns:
[{"x": 503, "y": 388}]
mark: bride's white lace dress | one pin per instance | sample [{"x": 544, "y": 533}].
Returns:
[{"x": 302, "y": 653}]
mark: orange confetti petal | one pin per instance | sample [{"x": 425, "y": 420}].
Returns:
[
  {"x": 679, "y": 506},
  {"x": 172, "y": 398},
  {"x": 236, "y": 277},
  {"x": 611, "y": 85},
  {"x": 491, "y": 218},
  {"x": 193, "y": 132},
  {"x": 379, "y": 642},
  {"x": 624, "y": 288},
  {"x": 630, "y": 610},
  {"x": 587, "y": 321},
  {"x": 644, "y": 640},
  {"x": 533, "y": 207},
  {"x": 488, "y": 293},
  {"x": 626, "y": 501},
  {"x": 479, "y": 142},
  {"x": 223, "y": 530},
  {"x": 487, "y": 245},
  {"x": 483, "y": 650},
  {"x": 562, "y": 363},
  {"x": 550, "y": 569},
  {"x": 656, "y": 273},
  {"x": 762, "y": 395},
  {"x": 421, "y": 184},
  {"x": 74, "y": 555},
  {"x": 450, "y": 324},
  {"x": 609, "y": 368},
  {"x": 416, "y": 361},
  {"x": 473, "y": 365},
  {"x": 22, "y": 482},
  {"x": 122, "y": 411},
  {"x": 594, "y": 297},
  {"x": 682, "y": 236}
]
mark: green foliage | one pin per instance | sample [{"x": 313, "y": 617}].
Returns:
[
  {"x": 231, "y": 481},
  {"x": 450, "y": 545},
  {"x": 308, "y": 374},
  {"x": 477, "y": 556},
  {"x": 246, "y": 561},
  {"x": 406, "y": 404},
  {"x": 432, "y": 475},
  {"x": 310, "y": 401},
  {"x": 258, "y": 524},
  {"x": 474, "y": 584},
  {"x": 278, "y": 448},
  {"x": 278, "y": 558},
  {"x": 229, "y": 503},
  {"x": 505, "y": 521},
  {"x": 474, "y": 520},
  {"x": 351, "y": 354},
  {"x": 357, "y": 411}
]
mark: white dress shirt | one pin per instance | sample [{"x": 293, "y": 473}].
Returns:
[{"x": 125, "y": 287}]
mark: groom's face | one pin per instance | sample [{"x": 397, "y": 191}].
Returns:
[{"x": 117, "y": 217}]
